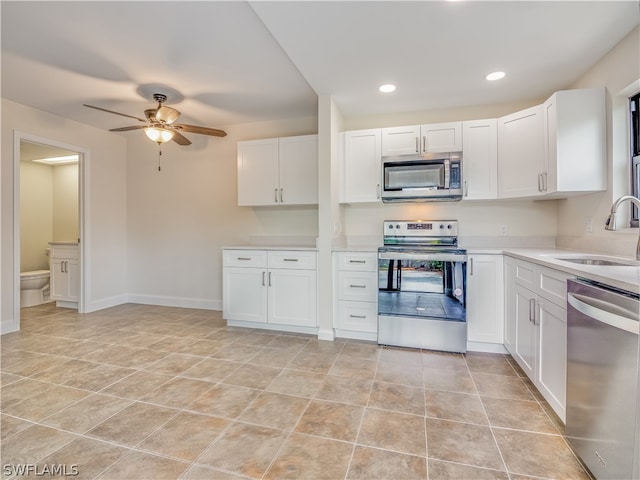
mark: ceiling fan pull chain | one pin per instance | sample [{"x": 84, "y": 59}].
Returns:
[{"x": 159, "y": 156}]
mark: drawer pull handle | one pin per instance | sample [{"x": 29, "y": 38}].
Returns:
[
  {"x": 244, "y": 258},
  {"x": 290, "y": 259},
  {"x": 357, "y": 261},
  {"x": 358, "y": 316},
  {"x": 358, "y": 286}
]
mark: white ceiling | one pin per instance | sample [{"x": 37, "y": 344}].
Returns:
[{"x": 223, "y": 63}]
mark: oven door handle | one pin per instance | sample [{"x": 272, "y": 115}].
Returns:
[{"x": 435, "y": 257}]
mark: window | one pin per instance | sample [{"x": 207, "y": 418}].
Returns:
[{"x": 634, "y": 107}]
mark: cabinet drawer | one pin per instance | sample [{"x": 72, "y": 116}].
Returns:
[
  {"x": 552, "y": 285},
  {"x": 358, "y": 261},
  {"x": 292, "y": 259},
  {"x": 525, "y": 275},
  {"x": 358, "y": 316},
  {"x": 359, "y": 286},
  {"x": 65, "y": 251},
  {"x": 245, "y": 258}
]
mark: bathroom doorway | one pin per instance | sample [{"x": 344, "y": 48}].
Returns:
[{"x": 48, "y": 198}]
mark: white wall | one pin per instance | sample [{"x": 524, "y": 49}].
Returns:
[
  {"x": 36, "y": 215},
  {"x": 181, "y": 217},
  {"x": 619, "y": 69},
  {"x": 106, "y": 205},
  {"x": 65, "y": 203}
]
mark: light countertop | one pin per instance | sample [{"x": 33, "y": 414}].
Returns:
[
  {"x": 307, "y": 248},
  {"x": 623, "y": 277}
]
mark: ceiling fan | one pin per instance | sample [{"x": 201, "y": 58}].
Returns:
[{"x": 159, "y": 123}]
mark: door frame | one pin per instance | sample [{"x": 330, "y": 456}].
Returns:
[{"x": 83, "y": 216}]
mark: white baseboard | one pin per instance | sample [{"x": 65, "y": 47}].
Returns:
[
  {"x": 486, "y": 347},
  {"x": 8, "y": 326},
  {"x": 182, "y": 302},
  {"x": 370, "y": 337},
  {"x": 326, "y": 334},
  {"x": 103, "y": 303},
  {"x": 272, "y": 326}
]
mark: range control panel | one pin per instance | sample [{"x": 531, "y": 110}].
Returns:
[{"x": 420, "y": 228}]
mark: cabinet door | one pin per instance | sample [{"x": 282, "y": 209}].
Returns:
[
  {"x": 485, "y": 287},
  {"x": 401, "y": 140},
  {"x": 292, "y": 297},
  {"x": 298, "y": 170},
  {"x": 552, "y": 362},
  {"x": 480, "y": 159},
  {"x": 441, "y": 137},
  {"x": 521, "y": 153},
  {"x": 73, "y": 280},
  {"x": 258, "y": 172},
  {"x": 244, "y": 294},
  {"x": 526, "y": 330},
  {"x": 362, "y": 169},
  {"x": 510, "y": 305},
  {"x": 59, "y": 281},
  {"x": 575, "y": 141}
]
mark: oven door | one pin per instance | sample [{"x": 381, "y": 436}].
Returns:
[{"x": 421, "y": 300}]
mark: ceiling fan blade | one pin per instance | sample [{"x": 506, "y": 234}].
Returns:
[
  {"x": 126, "y": 129},
  {"x": 179, "y": 138},
  {"x": 201, "y": 130},
  {"x": 167, "y": 115},
  {"x": 116, "y": 113}
]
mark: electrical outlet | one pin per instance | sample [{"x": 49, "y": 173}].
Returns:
[
  {"x": 503, "y": 230},
  {"x": 588, "y": 224}
]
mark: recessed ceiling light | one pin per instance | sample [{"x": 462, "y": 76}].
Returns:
[
  {"x": 494, "y": 76},
  {"x": 387, "y": 88}
]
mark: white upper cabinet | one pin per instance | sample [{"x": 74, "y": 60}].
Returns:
[
  {"x": 441, "y": 137},
  {"x": 418, "y": 139},
  {"x": 362, "y": 169},
  {"x": 299, "y": 170},
  {"x": 258, "y": 172},
  {"x": 480, "y": 160},
  {"x": 278, "y": 171},
  {"x": 521, "y": 153},
  {"x": 575, "y": 140},
  {"x": 556, "y": 149}
]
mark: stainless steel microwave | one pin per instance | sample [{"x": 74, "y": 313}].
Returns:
[{"x": 429, "y": 177}]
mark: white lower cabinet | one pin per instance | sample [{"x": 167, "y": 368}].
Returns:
[
  {"x": 275, "y": 288},
  {"x": 536, "y": 327},
  {"x": 356, "y": 312},
  {"x": 65, "y": 274},
  {"x": 485, "y": 303}
]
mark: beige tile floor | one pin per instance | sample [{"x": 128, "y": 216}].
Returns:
[{"x": 147, "y": 392}]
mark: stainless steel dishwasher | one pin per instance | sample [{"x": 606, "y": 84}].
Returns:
[{"x": 602, "y": 378}]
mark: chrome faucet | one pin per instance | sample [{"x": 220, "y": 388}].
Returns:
[{"x": 611, "y": 219}]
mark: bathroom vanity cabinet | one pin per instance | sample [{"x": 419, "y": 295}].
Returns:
[{"x": 65, "y": 274}]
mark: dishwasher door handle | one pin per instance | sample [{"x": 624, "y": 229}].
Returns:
[{"x": 605, "y": 312}]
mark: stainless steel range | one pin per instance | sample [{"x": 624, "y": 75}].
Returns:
[{"x": 422, "y": 286}]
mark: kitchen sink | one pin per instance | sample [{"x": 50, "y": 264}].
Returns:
[{"x": 598, "y": 261}]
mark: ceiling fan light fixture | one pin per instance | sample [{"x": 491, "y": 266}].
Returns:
[
  {"x": 158, "y": 134},
  {"x": 167, "y": 115}
]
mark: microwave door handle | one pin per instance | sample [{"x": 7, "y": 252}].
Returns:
[{"x": 447, "y": 170}]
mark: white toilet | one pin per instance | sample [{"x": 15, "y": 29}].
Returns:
[{"x": 34, "y": 288}]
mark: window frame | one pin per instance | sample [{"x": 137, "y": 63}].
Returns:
[{"x": 634, "y": 154}]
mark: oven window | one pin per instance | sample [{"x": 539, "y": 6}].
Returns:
[
  {"x": 402, "y": 176},
  {"x": 430, "y": 289}
]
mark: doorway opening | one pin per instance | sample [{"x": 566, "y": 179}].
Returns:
[{"x": 48, "y": 211}]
